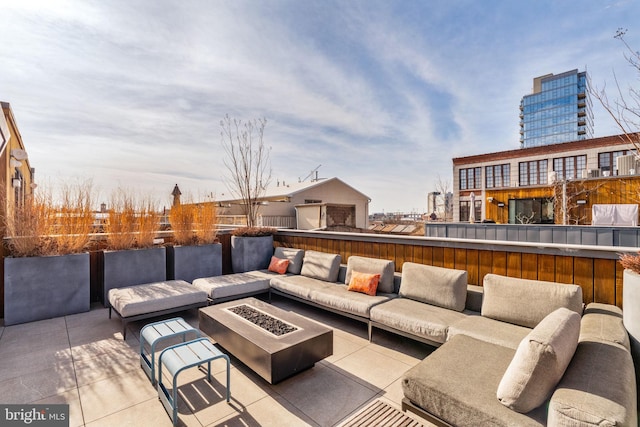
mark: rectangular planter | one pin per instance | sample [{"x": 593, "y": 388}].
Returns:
[
  {"x": 132, "y": 267},
  {"x": 251, "y": 253},
  {"x": 193, "y": 262},
  {"x": 37, "y": 288}
]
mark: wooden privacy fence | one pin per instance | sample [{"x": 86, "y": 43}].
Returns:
[{"x": 596, "y": 269}]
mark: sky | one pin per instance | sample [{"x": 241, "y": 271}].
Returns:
[{"x": 129, "y": 94}]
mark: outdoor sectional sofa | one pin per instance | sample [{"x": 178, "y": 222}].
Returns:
[{"x": 481, "y": 334}]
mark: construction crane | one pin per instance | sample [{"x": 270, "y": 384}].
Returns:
[{"x": 311, "y": 174}]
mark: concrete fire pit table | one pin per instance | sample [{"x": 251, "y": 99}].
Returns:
[{"x": 295, "y": 344}]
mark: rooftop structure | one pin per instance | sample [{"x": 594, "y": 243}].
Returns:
[
  {"x": 558, "y": 110},
  {"x": 508, "y": 186}
]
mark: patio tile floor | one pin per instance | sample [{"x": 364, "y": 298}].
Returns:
[{"x": 83, "y": 361}]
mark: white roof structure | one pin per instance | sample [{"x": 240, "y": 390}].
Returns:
[{"x": 284, "y": 191}]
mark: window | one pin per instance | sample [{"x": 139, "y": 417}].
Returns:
[
  {"x": 470, "y": 178},
  {"x": 533, "y": 173},
  {"x": 309, "y": 201},
  {"x": 570, "y": 167},
  {"x": 607, "y": 161},
  {"x": 465, "y": 212},
  {"x": 497, "y": 176},
  {"x": 531, "y": 211}
]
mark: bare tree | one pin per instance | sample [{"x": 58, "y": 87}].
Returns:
[
  {"x": 625, "y": 110},
  {"x": 443, "y": 187},
  {"x": 247, "y": 160}
]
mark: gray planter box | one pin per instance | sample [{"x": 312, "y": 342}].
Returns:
[
  {"x": 193, "y": 262},
  {"x": 251, "y": 253},
  {"x": 132, "y": 267},
  {"x": 37, "y": 288}
]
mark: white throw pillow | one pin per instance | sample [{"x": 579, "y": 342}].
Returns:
[{"x": 540, "y": 361}]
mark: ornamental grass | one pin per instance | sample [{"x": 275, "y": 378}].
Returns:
[{"x": 194, "y": 223}]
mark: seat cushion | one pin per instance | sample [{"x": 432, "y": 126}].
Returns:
[
  {"x": 444, "y": 287},
  {"x": 540, "y": 361},
  {"x": 339, "y": 297},
  {"x": 416, "y": 318},
  {"x": 298, "y": 286},
  {"x": 382, "y": 267},
  {"x": 151, "y": 297},
  {"x": 320, "y": 265},
  {"x": 295, "y": 257},
  {"x": 598, "y": 388},
  {"x": 603, "y": 322},
  {"x": 509, "y": 299},
  {"x": 489, "y": 330},
  {"x": 457, "y": 383},
  {"x": 230, "y": 285}
]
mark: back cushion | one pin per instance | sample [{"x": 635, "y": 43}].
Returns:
[
  {"x": 382, "y": 267},
  {"x": 294, "y": 256},
  {"x": 540, "y": 361},
  {"x": 320, "y": 265},
  {"x": 510, "y": 300},
  {"x": 444, "y": 287}
]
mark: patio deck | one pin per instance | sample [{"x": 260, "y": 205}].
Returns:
[{"x": 82, "y": 360}]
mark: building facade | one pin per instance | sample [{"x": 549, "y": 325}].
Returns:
[
  {"x": 304, "y": 205},
  {"x": 16, "y": 173},
  {"x": 556, "y": 183},
  {"x": 558, "y": 110}
]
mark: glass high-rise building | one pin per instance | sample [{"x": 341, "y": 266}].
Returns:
[{"x": 558, "y": 110}]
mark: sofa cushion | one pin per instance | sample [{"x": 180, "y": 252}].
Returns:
[
  {"x": 603, "y": 322},
  {"x": 278, "y": 265},
  {"x": 294, "y": 256},
  {"x": 338, "y": 297},
  {"x": 457, "y": 383},
  {"x": 540, "y": 361},
  {"x": 230, "y": 285},
  {"x": 416, "y": 318},
  {"x": 509, "y": 299},
  {"x": 382, "y": 267},
  {"x": 444, "y": 287},
  {"x": 298, "y": 286},
  {"x": 489, "y": 330},
  {"x": 598, "y": 388},
  {"x": 320, "y": 265},
  {"x": 150, "y": 297},
  {"x": 363, "y": 282}
]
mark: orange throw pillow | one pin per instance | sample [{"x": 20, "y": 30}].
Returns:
[
  {"x": 278, "y": 265},
  {"x": 363, "y": 282}
]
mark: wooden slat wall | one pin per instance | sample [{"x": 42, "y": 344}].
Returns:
[{"x": 600, "y": 279}]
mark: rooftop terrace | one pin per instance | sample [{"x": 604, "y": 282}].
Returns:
[{"x": 81, "y": 360}]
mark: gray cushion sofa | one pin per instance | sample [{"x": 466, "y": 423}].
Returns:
[
  {"x": 479, "y": 332},
  {"x": 458, "y": 384}
]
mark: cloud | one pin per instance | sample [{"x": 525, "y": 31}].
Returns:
[{"x": 381, "y": 94}]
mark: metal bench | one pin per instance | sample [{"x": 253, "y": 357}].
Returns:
[
  {"x": 179, "y": 357},
  {"x": 154, "y": 333}
]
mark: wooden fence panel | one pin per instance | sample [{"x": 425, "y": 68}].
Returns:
[{"x": 599, "y": 278}]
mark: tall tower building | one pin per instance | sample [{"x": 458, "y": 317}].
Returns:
[{"x": 558, "y": 110}]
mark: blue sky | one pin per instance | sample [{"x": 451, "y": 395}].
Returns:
[{"x": 382, "y": 94}]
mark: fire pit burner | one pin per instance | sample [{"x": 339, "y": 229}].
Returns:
[{"x": 268, "y": 323}]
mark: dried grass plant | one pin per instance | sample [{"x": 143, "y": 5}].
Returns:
[
  {"x": 121, "y": 224},
  {"x": 27, "y": 227},
  {"x": 631, "y": 262},
  {"x": 148, "y": 223},
  {"x": 194, "y": 223},
  {"x": 182, "y": 219},
  {"x": 132, "y": 222},
  {"x": 206, "y": 219},
  {"x": 73, "y": 219}
]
